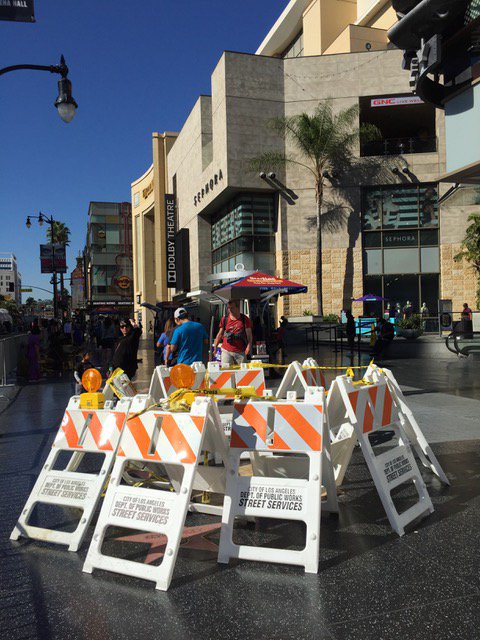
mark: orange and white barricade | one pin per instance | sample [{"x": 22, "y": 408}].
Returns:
[
  {"x": 176, "y": 440},
  {"x": 407, "y": 419},
  {"x": 298, "y": 377},
  {"x": 83, "y": 431},
  {"x": 250, "y": 377},
  {"x": 361, "y": 410},
  {"x": 218, "y": 378},
  {"x": 161, "y": 386},
  {"x": 276, "y": 427}
]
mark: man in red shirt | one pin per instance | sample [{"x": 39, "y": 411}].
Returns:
[{"x": 235, "y": 336}]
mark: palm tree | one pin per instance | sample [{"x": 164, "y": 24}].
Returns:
[
  {"x": 61, "y": 235},
  {"x": 322, "y": 144},
  {"x": 471, "y": 248}
]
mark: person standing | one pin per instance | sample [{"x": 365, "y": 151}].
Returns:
[
  {"x": 466, "y": 312},
  {"x": 235, "y": 336},
  {"x": 164, "y": 340},
  {"x": 188, "y": 339},
  {"x": 350, "y": 330},
  {"x": 125, "y": 356}
]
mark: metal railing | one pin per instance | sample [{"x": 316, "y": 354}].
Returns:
[
  {"x": 394, "y": 146},
  {"x": 9, "y": 352}
]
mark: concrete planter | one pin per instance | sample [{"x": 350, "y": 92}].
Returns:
[
  {"x": 409, "y": 333},
  {"x": 305, "y": 319}
]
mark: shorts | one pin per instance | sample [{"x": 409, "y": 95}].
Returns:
[{"x": 232, "y": 357}]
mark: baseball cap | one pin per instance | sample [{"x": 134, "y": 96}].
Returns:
[{"x": 180, "y": 313}]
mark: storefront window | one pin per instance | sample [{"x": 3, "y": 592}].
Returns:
[
  {"x": 243, "y": 232},
  {"x": 400, "y": 241}
]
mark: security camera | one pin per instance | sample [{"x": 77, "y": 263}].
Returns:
[
  {"x": 272, "y": 175},
  {"x": 405, "y": 170},
  {"x": 395, "y": 170},
  {"x": 262, "y": 175}
]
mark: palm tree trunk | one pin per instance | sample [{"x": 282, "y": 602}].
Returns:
[{"x": 319, "y": 199}]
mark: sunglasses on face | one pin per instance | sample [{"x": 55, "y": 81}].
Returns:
[{"x": 123, "y": 326}]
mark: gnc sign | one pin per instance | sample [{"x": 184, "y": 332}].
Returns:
[{"x": 395, "y": 101}]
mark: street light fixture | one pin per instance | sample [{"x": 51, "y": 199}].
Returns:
[
  {"x": 49, "y": 220},
  {"x": 65, "y": 104}
]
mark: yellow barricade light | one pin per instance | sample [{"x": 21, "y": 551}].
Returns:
[
  {"x": 92, "y": 381},
  {"x": 182, "y": 376}
]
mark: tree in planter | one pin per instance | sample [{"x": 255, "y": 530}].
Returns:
[
  {"x": 324, "y": 143},
  {"x": 471, "y": 249},
  {"x": 61, "y": 235}
]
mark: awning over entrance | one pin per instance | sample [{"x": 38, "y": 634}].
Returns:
[{"x": 260, "y": 282}]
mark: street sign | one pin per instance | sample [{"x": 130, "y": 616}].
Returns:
[
  {"x": 53, "y": 258},
  {"x": 25, "y": 290}
]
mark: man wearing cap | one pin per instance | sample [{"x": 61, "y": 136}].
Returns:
[
  {"x": 188, "y": 339},
  {"x": 235, "y": 336}
]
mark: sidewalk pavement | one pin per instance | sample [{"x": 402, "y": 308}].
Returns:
[{"x": 371, "y": 584}]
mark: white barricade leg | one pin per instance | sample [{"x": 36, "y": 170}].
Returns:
[
  {"x": 412, "y": 429},
  {"x": 82, "y": 432},
  {"x": 293, "y": 380},
  {"x": 275, "y": 427},
  {"x": 371, "y": 408},
  {"x": 170, "y": 439}
]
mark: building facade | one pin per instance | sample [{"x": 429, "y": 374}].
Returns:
[
  {"x": 108, "y": 258},
  {"x": 10, "y": 278},
  {"x": 383, "y": 229}
]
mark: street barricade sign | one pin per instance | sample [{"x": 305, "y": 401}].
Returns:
[
  {"x": 275, "y": 427},
  {"x": 364, "y": 409},
  {"x": 175, "y": 440},
  {"x": 82, "y": 431}
]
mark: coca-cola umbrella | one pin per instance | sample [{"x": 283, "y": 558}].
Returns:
[
  {"x": 369, "y": 297},
  {"x": 257, "y": 284}
]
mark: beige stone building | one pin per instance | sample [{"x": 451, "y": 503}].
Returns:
[{"x": 385, "y": 230}]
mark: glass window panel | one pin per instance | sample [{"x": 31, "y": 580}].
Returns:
[
  {"x": 430, "y": 260},
  {"x": 400, "y": 208},
  {"x": 400, "y": 288},
  {"x": 430, "y": 295},
  {"x": 372, "y": 239},
  {"x": 264, "y": 262},
  {"x": 245, "y": 243},
  {"x": 113, "y": 234},
  {"x": 400, "y": 261},
  {"x": 231, "y": 264},
  {"x": 372, "y": 284},
  {"x": 429, "y": 238},
  {"x": 373, "y": 261},
  {"x": 246, "y": 259},
  {"x": 428, "y": 198},
  {"x": 263, "y": 243},
  {"x": 373, "y": 209},
  {"x": 400, "y": 238}
]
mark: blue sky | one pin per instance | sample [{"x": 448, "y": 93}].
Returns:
[{"x": 136, "y": 67}]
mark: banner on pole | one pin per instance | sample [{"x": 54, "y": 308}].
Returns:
[{"x": 17, "y": 10}]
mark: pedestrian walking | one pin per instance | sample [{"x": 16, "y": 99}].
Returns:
[
  {"x": 33, "y": 353},
  {"x": 125, "y": 356},
  {"x": 164, "y": 340},
  {"x": 466, "y": 312},
  {"x": 235, "y": 336},
  {"x": 188, "y": 339}
]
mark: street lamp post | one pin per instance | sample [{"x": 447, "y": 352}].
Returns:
[
  {"x": 49, "y": 220},
  {"x": 64, "y": 103}
]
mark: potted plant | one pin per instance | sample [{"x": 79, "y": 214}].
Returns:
[{"x": 410, "y": 327}]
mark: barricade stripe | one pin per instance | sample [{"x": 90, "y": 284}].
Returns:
[
  {"x": 302, "y": 427},
  {"x": 247, "y": 379},
  {"x": 235, "y": 441},
  {"x": 372, "y": 392},
  {"x": 70, "y": 431},
  {"x": 178, "y": 441},
  {"x": 198, "y": 421},
  {"x": 387, "y": 408},
  {"x": 261, "y": 389},
  {"x": 254, "y": 419},
  {"x": 353, "y": 397},
  {"x": 367, "y": 419},
  {"x": 219, "y": 381},
  {"x": 167, "y": 383},
  {"x": 97, "y": 431},
  {"x": 141, "y": 437},
  {"x": 278, "y": 443}
]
